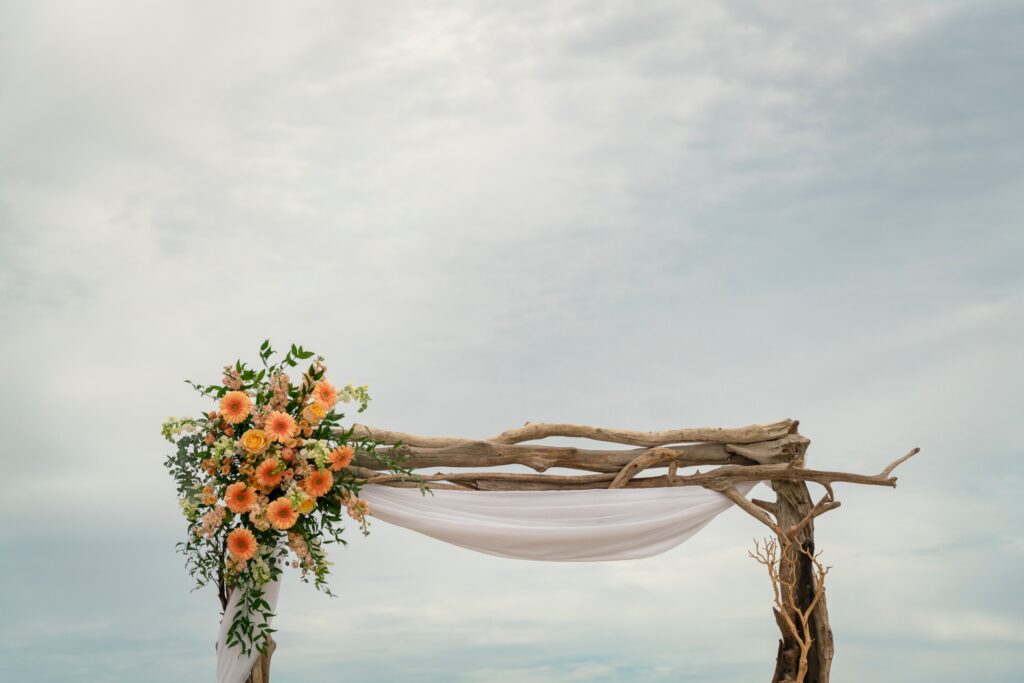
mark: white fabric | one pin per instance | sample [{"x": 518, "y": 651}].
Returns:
[
  {"x": 232, "y": 665},
  {"x": 573, "y": 526}
]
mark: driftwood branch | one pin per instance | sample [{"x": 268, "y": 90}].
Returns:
[
  {"x": 532, "y": 432},
  {"x": 824, "y": 505},
  {"x": 716, "y": 479},
  {"x": 539, "y": 457},
  {"x": 741, "y": 501},
  {"x": 794, "y": 619}
]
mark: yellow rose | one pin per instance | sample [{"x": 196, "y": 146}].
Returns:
[
  {"x": 314, "y": 413},
  {"x": 255, "y": 441},
  {"x": 307, "y": 505}
]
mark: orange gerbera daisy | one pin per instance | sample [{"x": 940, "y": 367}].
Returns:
[
  {"x": 280, "y": 426},
  {"x": 242, "y": 544},
  {"x": 325, "y": 394},
  {"x": 235, "y": 407},
  {"x": 318, "y": 483},
  {"x": 340, "y": 457},
  {"x": 239, "y": 497},
  {"x": 281, "y": 514},
  {"x": 265, "y": 474}
]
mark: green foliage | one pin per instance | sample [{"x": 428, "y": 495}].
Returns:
[{"x": 210, "y": 456}]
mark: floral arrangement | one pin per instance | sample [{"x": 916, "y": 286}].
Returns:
[{"x": 262, "y": 481}]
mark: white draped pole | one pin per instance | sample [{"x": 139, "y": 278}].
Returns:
[{"x": 232, "y": 665}]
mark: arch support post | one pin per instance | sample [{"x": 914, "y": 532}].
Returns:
[
  {"x": 261, "y": 667},
  {"x": 800, "y": 584}
]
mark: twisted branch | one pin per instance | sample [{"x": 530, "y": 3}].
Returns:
[{"x": 761, "y": 452}]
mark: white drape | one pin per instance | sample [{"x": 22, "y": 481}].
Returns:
[
  {"x": 574, "y": 526},
  {"x": 571, "y": 526},
  {"x": 232, "y": 665}
]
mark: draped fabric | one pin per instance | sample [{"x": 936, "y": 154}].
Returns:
[
  {"x": 232, "y": 665},
  {"x": 574, "y": 526},
  {"x": 568, "y": 526}
]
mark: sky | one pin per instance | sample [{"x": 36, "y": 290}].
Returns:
[{"x": 637, "y": 215}]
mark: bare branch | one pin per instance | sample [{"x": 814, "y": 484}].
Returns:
[
  {"x": 765, "y": 505},
  {"x": 653, "y": 458},
  {"x": 735, "y": 435},
  {"x": 470, "y": 453},
  {"x": 794, "y": 620},
  {"x": 714, "y": 479},
  {"x": 824, "y": 505},
  {"x": 735, "y": 496},
  {"x": 896, "y": 463}
]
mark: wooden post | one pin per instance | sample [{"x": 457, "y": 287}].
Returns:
[
  {"x": 261, "y": 667},
  {"x": 793, "y": 504}
]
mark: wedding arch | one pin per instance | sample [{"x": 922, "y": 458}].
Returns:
[
  {"x": 635, "y": 502},
  {"x": 263, "y": 481}
]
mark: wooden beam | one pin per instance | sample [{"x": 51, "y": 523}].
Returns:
[
  {"x": 470, "y": 453},
  {"x": 532, "y": 432}
]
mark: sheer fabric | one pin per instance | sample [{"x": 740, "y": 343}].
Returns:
[
  {"x": 566, "y": 526},
  {"x": 232, "y": 665},
  {"x": 573, "y": 526}
]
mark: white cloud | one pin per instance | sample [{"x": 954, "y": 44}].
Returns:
[{"x": 644, "y": 217}]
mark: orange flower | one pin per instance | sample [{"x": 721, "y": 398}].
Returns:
[
  {"x": 208, "y": 496},
  {"x": 235, "y": 407},
  {"x": 242, "y": 544},
  {"x": 255, "y": 441},
  {"x": 318, "y": 483},
  {"x": 239, "y": 497},
  {"x": 280, "y": 426},
  {"x": 281, "y": 514},
  {"x": 341, "y": 457},
  {"x": 313, "y": 413},
  {"x": 325, "y": 394},
  {"x": 265, "y": 475}
]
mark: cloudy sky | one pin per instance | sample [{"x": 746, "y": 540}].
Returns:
[{"x": 643, "y": 215}]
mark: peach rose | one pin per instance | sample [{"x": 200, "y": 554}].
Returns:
[
  {"x": 255, "y": 441},
  {"x": 313, "y": 413}
]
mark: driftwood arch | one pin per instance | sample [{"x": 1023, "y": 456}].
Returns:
[{"x": 775, "y": 453}]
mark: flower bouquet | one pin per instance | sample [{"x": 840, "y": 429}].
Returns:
[{"x": 263, "y": 479}]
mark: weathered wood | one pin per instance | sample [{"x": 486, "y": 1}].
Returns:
[
  {"x": 717, "y": 479},
  {"x": 788, "y": 449},
  {"x": 261, "y": 667},
  {"x": 735, "y": 435},
  {"x": 794, "y": 506},
  {"x": 531, "y": 432},
  {"x": 541, "y": 458}
]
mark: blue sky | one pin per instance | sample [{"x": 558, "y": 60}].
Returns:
[{"x": 645, "y": 216}]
